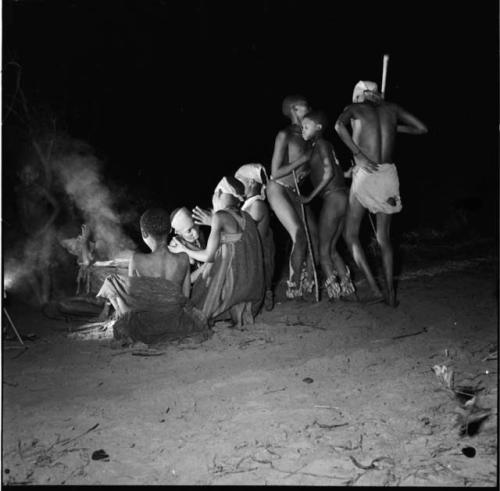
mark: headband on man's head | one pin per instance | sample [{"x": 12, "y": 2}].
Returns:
[
  {"x": 181, "y": 219},
  {"x": 226, "y": 187},
  {"x": 255, "y": 172},
  {"x": 365, "y": 86}
]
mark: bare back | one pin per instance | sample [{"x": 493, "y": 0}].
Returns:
[
  {"x": 374, "y": 129},
  {"x": 162, "y": 264}
]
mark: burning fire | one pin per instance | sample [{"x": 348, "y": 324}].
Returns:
[{"x": 11, "y": 274}]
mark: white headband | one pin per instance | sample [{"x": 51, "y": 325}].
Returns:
[
  {"x": 225, "y": 187},
  {"x": 253, "y": 171},
  {"x": 364, "y": 86}
]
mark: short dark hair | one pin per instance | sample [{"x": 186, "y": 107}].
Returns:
[
  {"x": 155, "y": 222},
  {"x": 290, "y": 101},
  {"x": 319, "y": 117}
]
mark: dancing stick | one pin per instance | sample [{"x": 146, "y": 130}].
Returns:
[
  {"x": 385, "y": 64},
  {"x": 309, "y": 244}
]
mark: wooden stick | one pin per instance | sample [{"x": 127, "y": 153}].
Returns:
[
  {"x": 12, "y": 325},
  {"x": 309, "y": 244},
  {"x": 385, "y": 64}
]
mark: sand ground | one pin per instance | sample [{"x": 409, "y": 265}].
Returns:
[{"x": 316, "y": 394}]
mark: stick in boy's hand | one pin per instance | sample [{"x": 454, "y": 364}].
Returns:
[{"x": 202, "y": 217}]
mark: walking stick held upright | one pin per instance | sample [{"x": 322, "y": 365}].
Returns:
[{"x": 308, "y": 237}]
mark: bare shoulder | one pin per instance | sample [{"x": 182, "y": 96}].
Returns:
[
  {"x": 350, "y": 112},
  {"x": 259, "y": 208},
  {"x": 282, "y": 135},
  {"x": 182, "y": 259},
  {"x": 138, "y": 258}
]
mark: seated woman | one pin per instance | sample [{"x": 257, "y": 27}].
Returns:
[
  {"x": 254, "y": 178},
  {"x": 189, "y": 234},
  {"x": 152, "y": 303},
  {"x": 233, "y": 279}
]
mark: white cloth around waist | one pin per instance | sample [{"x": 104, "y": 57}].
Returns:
[{"x": 377, "y": 191}]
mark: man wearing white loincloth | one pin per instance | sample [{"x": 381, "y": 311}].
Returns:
[{"x": 375, "y": 183}]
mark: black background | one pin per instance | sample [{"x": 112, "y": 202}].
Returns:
[{"x": 175, "y": 94}]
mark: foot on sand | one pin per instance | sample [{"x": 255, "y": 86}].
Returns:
[
  {"x": 391, "y": 299},
  {"x": 269, "y": 300},
  {"x": 352, "y": 298},
  {"x": 373, "y": 299}
]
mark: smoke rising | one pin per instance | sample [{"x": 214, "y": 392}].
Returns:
[{"x": 81, "y": 179}]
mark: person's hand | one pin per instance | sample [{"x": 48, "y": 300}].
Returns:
[
  {"x": 365, "y": 163},
  {"x": 202, "y": 217},
  {"x": 177, "y": 246},
  {"x": 348, "y": 173}
]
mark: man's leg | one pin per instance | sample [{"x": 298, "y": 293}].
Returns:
[
  {"x": 355, "y": 213},
  {"x": 384, "y": 241}
]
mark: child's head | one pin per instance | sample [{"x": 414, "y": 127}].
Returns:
[
  {"x": 183, "y": 224},
  {"x": 313, "y": 124},
  {"x": 365, "y": 90},
  {"x": 295, "y": 105},
  {"x": 229, "y": 192},
  {"x": 253, "y": 177},
  {"x": 155, "y": 224}
]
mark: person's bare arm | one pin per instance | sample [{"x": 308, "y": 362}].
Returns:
[
  {"x": 280, "y": 147},
  {"x": 186, "y": 285},
  {"x": 208, "y": 254},
  {"x": 326, "y": 162},
  {"x": 288, "y": 169},
  {"x": 341, "y": 128},
  {"x": 258, "y": 212},
  {"x": 279, "y": 152},
  {"x": 412, "y": 125},
  {"x": 131, "y": 266}
]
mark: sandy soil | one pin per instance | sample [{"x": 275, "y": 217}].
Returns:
[{"x": 318, "y": 394}]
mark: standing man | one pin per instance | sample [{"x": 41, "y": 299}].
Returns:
[{"x": 375, "y": 183}]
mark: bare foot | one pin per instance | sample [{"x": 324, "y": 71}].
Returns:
[
  {"x": 373, "y": 299},
  {"x": 269, "y": 300},
  {"x": 391, "y": 299}
]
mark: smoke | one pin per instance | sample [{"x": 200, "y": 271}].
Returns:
[
  {"x": 33, "y": 247},
  {"x": 80, "y": 176}
]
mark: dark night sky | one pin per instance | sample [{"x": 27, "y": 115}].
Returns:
[{"x": 173, "y": 94}]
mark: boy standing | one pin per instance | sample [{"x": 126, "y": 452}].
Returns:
[{"x": 327, "y": 177}]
